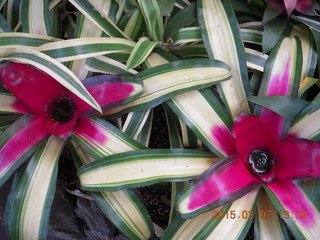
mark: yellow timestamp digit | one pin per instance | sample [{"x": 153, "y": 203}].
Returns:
[{"x": 284, "y": 214}]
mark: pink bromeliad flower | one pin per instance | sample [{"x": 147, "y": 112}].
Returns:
[
  {"x": 51, "y": 109},
  {"x": 303, "y": 6}
]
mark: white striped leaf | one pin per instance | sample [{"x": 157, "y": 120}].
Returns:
[
  {"x": 23, "y": 40},
  {"x": 220, "y": 33},
  {"x": 35, "y": 17},
  {"x": 107, "y": 65},
  {"x": 135, "y": 122},
  {"x": 73, "y": 49},
  {"x": 203, "y": 113},
  {"x": 183, "y": 18},
  {"x": 255, "y": 59},
  {"x": 302, "y": 216},
  {"x": 85, "y": 28},
  {"x": 132, "y": 23},
  {"x": 99, "y": 138},
  {"x": 204, "y": 226},
  {"x": 100, "y": 18},
  {"x": 251, "y": 36},
  {"x": 187, "y": 35},
  {"x": 163, "y": 82},
  {"x": 309, "y": 55},
  {"x": 122, "y": 208},
  {"x": 55, "y": 69},
  {"x": 142, "y": 168},
  {"x": 267, "y": 224},
  {"x": 32, "y": 193},
  {"x": 140, "y": 52},
  {"x": 153, "y": 19},
  {"x": 311, "y": 21},
  {"x": 14, "y": 149},
  {"x": 10, "y": 104}
]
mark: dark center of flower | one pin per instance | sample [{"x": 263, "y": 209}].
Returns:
[
  {"x": 261, "y": 161},
  {"x": 61, "y": 109}
]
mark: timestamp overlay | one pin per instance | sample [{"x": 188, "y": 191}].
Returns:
[{"x": 232, "y": 214}]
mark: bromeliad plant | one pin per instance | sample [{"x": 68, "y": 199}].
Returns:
[
  {"x": 57, "y": 86},
  {"x": 266, "y": 148}
]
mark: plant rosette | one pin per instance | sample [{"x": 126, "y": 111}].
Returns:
[{"x": 257, "y": 150}]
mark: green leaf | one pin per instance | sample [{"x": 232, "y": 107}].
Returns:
[
  {"x": 166, "y": 7},
  {"x": 203, "y": 112},
  {"x": 55, "y": 69},
  {"x": 220, "y": 33},
  {"x": 107, "y": 65},
  {"x": 142, "y": 168},
  {"x": 135, "y": 122},
  {"x": 272, "y": 33},
  {"x": 140, "y": 52},
  {"x": 99, "y": 18},
  {"x": 4, "y": 27},
  {"x": 7, "y": 120},
  {"x": 73, "y": 49},
  {"x": 152, "y": 17},
  {"x": 163, "y": 82},
  {"x": 302, "y": 226},
  {"x": 100, "y": 138},
  {"x": 309, "y": 55},
  {"x": 123, "y": 208},
  {"x": 31, "y": 196},
  {"x": 35, "y": 17},
  {"x": 132, "y": 23},
  {"x": 311, "y": 21},
  {"x": 23, "y": 40},
  {"x": 187, "y": 35},
  {"x": 289, "y": 108},
  {"x": 255, "y": 59},
  {"x": 267, "y": 223},
  {"x": 183, "y": 18},
  {"x": 205, "y": 227}
]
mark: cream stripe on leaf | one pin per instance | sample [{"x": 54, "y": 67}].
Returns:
[
  {"x": 31, "y": 196},
  {"x": 23, "y": 40},
  {"x": 165, "y": 81},
  {"x": 145, "y": 167},
  {"x": 123, "y": 208},
  {"x": 202, "y": 112},
  {"x": 55, "y": 69},
  {"x": 100, "y": 138},
  {"x": 99, "y": 18},
  {"x": 105, "y": 65},
  {"x": 140, "y": 52},
  {"x": 35, "y": 17},
  {"x": 267, "y": 221},
  {"x": 153, "y": 19},
  {"x": 74, "y": 49},
  {"x": 220, "y": 33}
]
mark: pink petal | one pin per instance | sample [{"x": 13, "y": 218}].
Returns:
[
  {"x": 224, "y": 139},
  {"x": 297, "y": 159},
  {"x": 109, "y": 91},
  {"x": 290, "y": 5},
  {"x": 223, "y": 183},
  {"x": 306, "y": 7},
  {"x": 32, "y": 86},
  {"x": 296, "y": 202},
  {"x": 277, "y": 85},
  {"x": 251, "y": 133},
  {"x": 90, "y": 131},
  {"x": 18, "y": 140}
]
